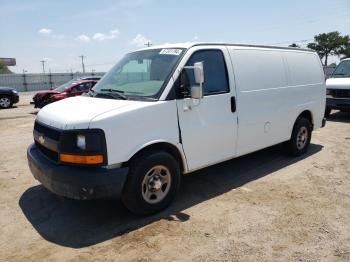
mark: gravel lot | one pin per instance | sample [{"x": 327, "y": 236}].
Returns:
[{"x": 261, "y": 207}]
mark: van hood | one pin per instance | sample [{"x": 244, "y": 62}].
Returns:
[
  {"x": 77, "y": 112},
  {"x": 338, "y": 83}
]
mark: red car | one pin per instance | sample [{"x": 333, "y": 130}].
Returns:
[{"x": 69, "y": 89}]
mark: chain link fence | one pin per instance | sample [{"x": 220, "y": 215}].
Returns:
[{"x": 33, "y": 82}]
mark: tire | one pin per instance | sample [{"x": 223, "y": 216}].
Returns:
[
  {"x": 5, "y": 102},
  {"x": 301, "y": 137},
  {"x": 327, "y": 112},
  {"x": 152, "y": 183}
]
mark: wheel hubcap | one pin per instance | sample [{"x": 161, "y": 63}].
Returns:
[
  {"x": 302, "y": 137},
  {"x": 5, "y": 102},
  {"x": 156, "y": 184}
]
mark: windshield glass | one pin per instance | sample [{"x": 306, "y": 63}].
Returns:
[
  {"x": 342, "y": 70},
  {"x": 140, "y": 74},
  {"x": 62, "y": 88}
]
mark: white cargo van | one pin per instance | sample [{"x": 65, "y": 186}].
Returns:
[{"x": 168, "y": 110}]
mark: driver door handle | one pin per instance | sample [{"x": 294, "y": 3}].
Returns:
[{"x": 233, "y": 104}]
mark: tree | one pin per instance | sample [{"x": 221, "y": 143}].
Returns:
[
  {"x": 294, "y": 45},
  {"x": 346, "y": 50},
  {"x": 4, "y": 69},
  {"x": 327, "y": 44}
]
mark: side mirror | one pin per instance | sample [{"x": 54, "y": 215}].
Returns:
[
  {"x": 198, "y": 73},
  {"x": 196, "y": 92}
]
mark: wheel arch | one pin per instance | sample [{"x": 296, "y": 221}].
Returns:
[
  {"x": 307, "y": 114},
  {"x": 162, "y": 146}
]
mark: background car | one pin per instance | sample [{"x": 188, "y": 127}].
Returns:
[
  {"x": 69, "y": 89},
  {"x": 8, "y": 97},
  {"x": 338, "y": 88}
]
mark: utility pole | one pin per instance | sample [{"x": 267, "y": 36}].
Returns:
[
  {"x": 43, "y": 63},
  {"x": 50, "y": 78},
  {"x": 82, "y": 63},
  {"x": 25, "y": 81},
  {"x": 148, "y": 44}
]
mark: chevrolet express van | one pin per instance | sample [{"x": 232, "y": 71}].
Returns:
[
  {"x": 165, "y": 111},
  {"x": 338, "y": 88}
]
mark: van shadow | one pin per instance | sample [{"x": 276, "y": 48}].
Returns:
[
  {"x": 78, "y": 224},
  {"x": 338, "y": 116}
]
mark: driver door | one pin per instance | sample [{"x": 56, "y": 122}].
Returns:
[{"x": 209, "y": 125}]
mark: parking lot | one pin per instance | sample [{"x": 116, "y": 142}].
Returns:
[{"x": 265, "y": 206}]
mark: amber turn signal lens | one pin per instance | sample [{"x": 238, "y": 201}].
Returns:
[{"x": 77, "y": 159}]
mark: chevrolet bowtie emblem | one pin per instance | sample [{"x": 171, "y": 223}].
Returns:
[{"x": 41, "y": 139}]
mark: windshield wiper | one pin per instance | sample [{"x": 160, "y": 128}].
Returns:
[{"x": 119, "y": 93}]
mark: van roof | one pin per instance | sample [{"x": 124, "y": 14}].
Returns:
[{"x": 187, "y": 45}]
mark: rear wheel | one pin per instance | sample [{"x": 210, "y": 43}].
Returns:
[
  {"x": 152, "y": 183},
  {"x": 301, "y": 137},
  {"x": 5, "y": 102}
]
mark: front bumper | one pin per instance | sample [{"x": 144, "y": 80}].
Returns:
[
  {"x": 338, "y": 103},
  {"x": 15, "y": 98},
  {"x": 39, "y": 103},
  {"x": 76, "y": 182}
]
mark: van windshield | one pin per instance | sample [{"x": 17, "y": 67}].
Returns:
[
  {"x": 139, "y": 74},
  {"x": 342, "y": 70}
]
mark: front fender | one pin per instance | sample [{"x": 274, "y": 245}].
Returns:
[{"x": 131, "y": 129}]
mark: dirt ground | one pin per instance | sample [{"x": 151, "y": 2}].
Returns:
[{"x": 261, "y": 207}]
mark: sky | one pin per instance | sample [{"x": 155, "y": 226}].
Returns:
[{"x": 58, "y": 32}]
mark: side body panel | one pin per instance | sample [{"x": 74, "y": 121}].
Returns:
[
  {"x": 261, "y": 81},
  {"x": 273, "y": 88},
  {"x": 306, "y": 78}
]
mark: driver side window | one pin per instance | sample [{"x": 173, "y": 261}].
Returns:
[{"x": 215, "y": 73}]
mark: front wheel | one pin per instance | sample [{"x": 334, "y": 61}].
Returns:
[
  {"x": 301, "y": 137},
  {"x": 152, "y": 183},
  {"x": 5, "y": 102}
]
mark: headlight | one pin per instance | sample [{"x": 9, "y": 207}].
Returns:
[
  {"x": 328, "y": 92},
  {"x": 84, "y": 146},
  {"x": 81, "y": 142},
  {"x": 14, "y": 91}
]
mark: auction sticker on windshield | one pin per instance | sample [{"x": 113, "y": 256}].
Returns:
[{"x": 171, "y": 51}]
